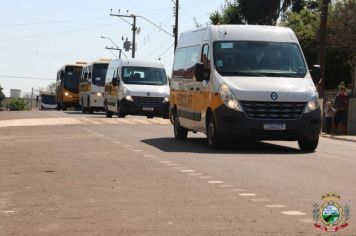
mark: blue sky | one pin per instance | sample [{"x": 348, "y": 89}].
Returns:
[{"x": 37, "y": 37}]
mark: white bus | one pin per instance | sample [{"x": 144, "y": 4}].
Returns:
[
  {"x": 91, "y": 86},
  {"x": 46, "y": 100}
]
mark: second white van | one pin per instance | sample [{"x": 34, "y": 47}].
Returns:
[{"x": 136, "y": 87}]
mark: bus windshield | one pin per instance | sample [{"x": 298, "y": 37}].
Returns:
[
  {"x": 265, "y": 59},
  {"x": 144, "y": 75},
  {"x": 99, "y": 73},
  {"x": 72, "y": 77},
  {"x": 48, "y": 99}
]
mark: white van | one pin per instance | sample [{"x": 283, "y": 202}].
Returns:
[
  {"x": 242, "y": 81},
  {"x": 136, "y": 87}
]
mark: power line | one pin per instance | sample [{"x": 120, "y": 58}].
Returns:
[
  {"x": 56, "y": 33},
  {"x": 24, "y": 77},
  {"x": 51, "y": 22}
]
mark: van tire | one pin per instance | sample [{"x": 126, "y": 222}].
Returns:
[
  {"x": 308, "y": 144},
  {"x": 179, "y": 131},
  {"x": 214, "y": 141},
  {"x": 107, "y": 112},
  {"x": 120, "y": 112}
]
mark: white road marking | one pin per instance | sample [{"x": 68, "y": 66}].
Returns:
[
  {"x": 276, "y": 206},
  {"x": 180, "y": 167},
  {"x": 226, "y": 186},
  {"x": 172, "y": 164},
  {"x": 247, "y": 194},
  {"x": 187, "y": 171},
  {"x": 145, "y": 122},
  {"x": 237, "y": 190},
  {"x": 215, "y": 182},
  {"x": 148, "y": 155},
  {"x": 308, "y": 221},
  {"x": 137, "y": 150},
  {"x": 126, "y": 145},
  {"x": 205, "y": 177},
  {"x": 259, "y": 200},
  {"x": 196, "y": 174},
  {"x": 165, "y": 162},
  {"x": 126, "y": 121},
  {"x": 293, "y": 213}
]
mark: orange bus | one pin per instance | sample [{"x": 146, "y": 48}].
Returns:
[{"x": 67, "y": 88}]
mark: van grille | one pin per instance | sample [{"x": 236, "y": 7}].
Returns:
[
  {"x": 273, "y": 110},
  {"x": 147, "y": 101}
]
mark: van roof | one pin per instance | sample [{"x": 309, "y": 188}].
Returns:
[
  {"x": 137, "y": 62},
  {"x": 97, "y": 62},
  {"x": 237, "y": 33}
]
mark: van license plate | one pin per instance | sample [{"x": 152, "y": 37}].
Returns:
[
  {"x": 148, "y": 108},
  {"x": 274, "y": 126}
]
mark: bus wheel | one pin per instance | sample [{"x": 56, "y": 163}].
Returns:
[
  {"x": 64, "y": 107},
  {"x": 179, "y": 131},
  {"x": 84, "y": 110},
  {"x": 107, "y": 112},
  {"x": 214, "y": 140},
  {"x": 120, "y": 111},
  {"x": 308, "y": 145}
]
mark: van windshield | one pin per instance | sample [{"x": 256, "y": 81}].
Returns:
[
  {"x": 251, "y": 58},
  {"x": 144, "y": 75}
]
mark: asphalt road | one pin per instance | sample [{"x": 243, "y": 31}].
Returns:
[{"x": 74, "y": 174}]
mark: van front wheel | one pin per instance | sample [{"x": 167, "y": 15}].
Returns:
[
  {"x": 179, "y": 131},
  {"x": 120, "y": 111},
  {"x": 214, "y": 140},
  {"x": 308, "y": 145}
]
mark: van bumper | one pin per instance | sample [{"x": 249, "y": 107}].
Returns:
[
  {"x": 132, "y": 108},
  {"x": 237, "y": 124}
]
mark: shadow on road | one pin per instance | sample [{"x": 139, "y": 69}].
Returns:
[{"x": 199, "y": 145}]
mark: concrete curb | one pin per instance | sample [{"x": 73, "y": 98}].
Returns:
[{"x": 338, "y": 138}]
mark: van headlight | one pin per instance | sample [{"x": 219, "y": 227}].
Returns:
[
  {"x": 66, "y": 94},
  {"x": 312, "y": 105},
  {"x": 125, "y": 91},
  {"x": 229, "y": 99},
  {"x": 129, "y": 98},
  {"x": 99, "y": 94},
  {"x": 166, "y": 99}
]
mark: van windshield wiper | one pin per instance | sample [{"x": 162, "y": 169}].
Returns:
[
  {"x": 242, "y": 73},
  {"x": 276, "y": 74}
]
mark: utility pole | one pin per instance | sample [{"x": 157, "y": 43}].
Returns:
[
  {"x": 134, "y": 29},
  {"x": 134, "y": 36},
  {"x": 175, "y": 30},
  {"x": 31, "y": 98},
  {"x": 322, "y": 44}
]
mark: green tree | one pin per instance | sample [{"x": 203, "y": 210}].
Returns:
[
  {"x": 341, "y": 37},
  {"x": 52, "y": 87},
  {"x": 305, "y": 24},
  {"x": 2, "y": 96},
  {"x": 259, "y": 12}
]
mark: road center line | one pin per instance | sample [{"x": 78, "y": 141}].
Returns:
[
  {"x": 276, "y": 206},
  {"x": 293, "y": 213},
  {"x": 247, "y": 194}
]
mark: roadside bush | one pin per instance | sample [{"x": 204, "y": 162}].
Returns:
[{"x": 17, "y": 104}]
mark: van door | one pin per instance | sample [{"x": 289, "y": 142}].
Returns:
[
  {"x": 187, "y": 85},
  {"x": 201, "y": 99}
]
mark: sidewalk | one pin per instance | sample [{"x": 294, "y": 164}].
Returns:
[{"x": 350, "y": 138}]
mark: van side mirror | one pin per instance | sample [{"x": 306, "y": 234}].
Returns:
[
  {"x": 316, "y": 73},
  {"x": 114, "y": 81},
  {"x": 199, "y": 72}
]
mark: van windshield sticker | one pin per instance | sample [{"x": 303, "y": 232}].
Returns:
[{"x": 227, "y": 45}]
